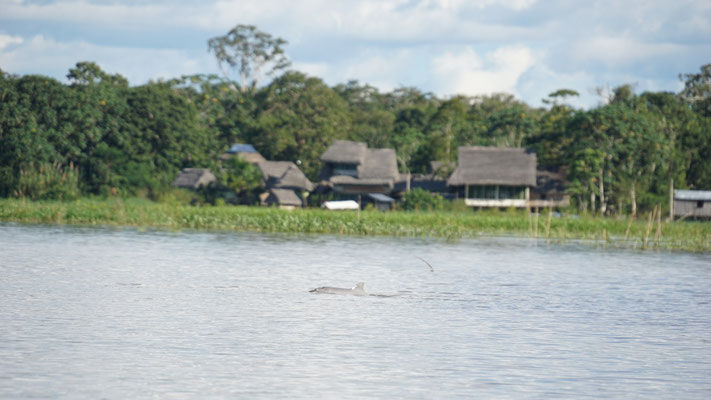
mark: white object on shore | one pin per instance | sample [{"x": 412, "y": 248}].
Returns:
[{"x": 341, "y": 205}]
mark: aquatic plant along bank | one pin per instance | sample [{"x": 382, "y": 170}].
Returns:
[{"x": 644, "y": 232}]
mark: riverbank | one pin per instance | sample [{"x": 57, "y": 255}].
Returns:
[{"x": 641, "y": 233}]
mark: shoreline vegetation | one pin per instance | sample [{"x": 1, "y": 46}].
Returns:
[{"x": 646, "y": 232}]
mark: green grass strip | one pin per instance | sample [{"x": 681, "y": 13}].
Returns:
[{"x": 613, "y": 232}]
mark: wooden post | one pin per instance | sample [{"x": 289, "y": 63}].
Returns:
[
  {"x": 649, "y": 227},
  {"x": 658, "y": 236},
  {"x": 629, "y": 225},
  {"x": 530, "y": 222},
  {"x": 671, "y": 199}
]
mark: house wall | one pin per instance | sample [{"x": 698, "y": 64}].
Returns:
[
  {"x": 496, "y": 192},
  {"x": 495, "y": 196},
  {"x": 690, "y": 208}
]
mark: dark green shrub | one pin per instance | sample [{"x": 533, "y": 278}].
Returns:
[{"x": 420, "y": 199}]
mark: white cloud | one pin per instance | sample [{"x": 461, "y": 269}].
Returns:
[
  {"x": 443, "y": 46},
  {"x": 7, "y": 40},
  {"x": 617, "y": 51},
  {"x": 385, "y": 70},
  {"x": 465, "y": 72},
  {"x": 49, "y": 57}
]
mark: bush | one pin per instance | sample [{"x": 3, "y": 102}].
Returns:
[
  {"x": 178, "y": 196},
  {"x": 48, "y": 182},
  {"x": 420, "y": 199}
]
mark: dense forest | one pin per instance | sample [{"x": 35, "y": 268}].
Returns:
[{"x": 97, "y": 135}]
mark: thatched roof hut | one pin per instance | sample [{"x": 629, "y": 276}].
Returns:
[
  {"x": 494, "y": 166},
  {"x": 284, "y": 175},
  {"x": 194, "y": 178},
  {"x": 284, "y": 198},
  {"x": 353, "y": 168}
]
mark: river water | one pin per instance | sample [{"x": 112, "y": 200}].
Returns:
[{"x": 121, "y": 313}]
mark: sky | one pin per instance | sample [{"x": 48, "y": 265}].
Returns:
[{"x": 528, "y": 48}]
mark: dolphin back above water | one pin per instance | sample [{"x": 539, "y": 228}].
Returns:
[{"x": 356, "y": 290}]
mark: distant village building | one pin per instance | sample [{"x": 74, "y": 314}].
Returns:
[
  {"x": 283, "y": 198},
  {"x": 692, "y": 203},
  {"x": 351, "y": 168},
  {"x": 284, "y": 175},
  {"x": 494, "y": 176},
  {"x": 281, "y": 177},
  {"x": 194, "y": 178},
  {"x": 380, "y": 201}
]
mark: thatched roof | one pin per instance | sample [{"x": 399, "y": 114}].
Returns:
[
  {"x": 349, "y": 180},
  {"x": 285, "y": 175},
  {"x": 345, "y": 152},
  {"x": 379, "y": 164},
  {"x": 283, "y": 197},
  {"x": 494, "y": 166},
  {"x": 368, "y": 167},
  {"x": 194, "y": 178}
]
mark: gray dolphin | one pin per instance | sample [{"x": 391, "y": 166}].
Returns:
[{"x": 356, "y": 290}]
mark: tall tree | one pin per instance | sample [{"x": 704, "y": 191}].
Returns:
[
  {"x": 251, "y": 52},
  {"x": 89, "y": 73},
  {"x": 697, "y": 90}
]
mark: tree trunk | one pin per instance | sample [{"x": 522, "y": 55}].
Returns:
[
  {"x": 448, "y": 132},
  {"x": 603, "y": 205},
  {"x": 619, "y": 205},
  {"x": 592, "y": 202},
  {"x": 633, "y": 199}
]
